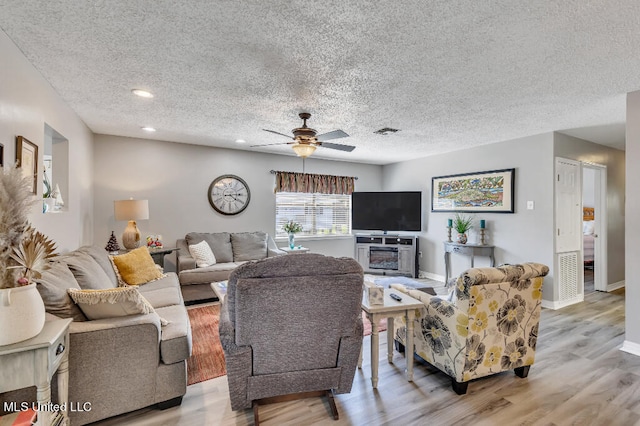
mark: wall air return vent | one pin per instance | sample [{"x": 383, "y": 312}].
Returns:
[{"x": 569, "y": 281}]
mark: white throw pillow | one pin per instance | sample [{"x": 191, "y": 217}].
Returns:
[{"x": 203, "y": 255}]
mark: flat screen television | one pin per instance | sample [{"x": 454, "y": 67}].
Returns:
[{"x": 386, "y": 211}]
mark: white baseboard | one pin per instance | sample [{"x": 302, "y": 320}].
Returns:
[
  {"x": 615, "y": 286},
  {"x": 430, "y": 276},
  {"x": 559, "y": 304},
  {"x": 631, "y": 347}
]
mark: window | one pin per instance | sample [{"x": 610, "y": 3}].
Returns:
[{"x": 321, "y": 215}]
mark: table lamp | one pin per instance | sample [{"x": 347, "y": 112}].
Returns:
[{"x": 131, "y": 210}]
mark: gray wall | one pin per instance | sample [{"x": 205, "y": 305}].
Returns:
[
  {"x": 175, "y": 178},
  {"x": 27, "y": 102},
  {"x": 580, "y": 150},
  {"x": 588, "y": 187},
  {"x": 632, "y": 212},
  {"x": 524, "y": 236}
]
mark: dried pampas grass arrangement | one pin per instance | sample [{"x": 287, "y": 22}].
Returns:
[{"x": 24, "y": 252}]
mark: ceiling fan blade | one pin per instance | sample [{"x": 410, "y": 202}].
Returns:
[
  {"x": 339, "y": 147},
  {"x": 336, "y": 134},
  {"x": 278, "y": 133},
  {"x": 271, "y": 144}
]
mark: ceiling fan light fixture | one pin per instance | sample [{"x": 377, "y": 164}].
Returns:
[{"x": 303, "y": 150}]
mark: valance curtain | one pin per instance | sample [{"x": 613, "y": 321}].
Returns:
[{"x": 311, "y": 183}]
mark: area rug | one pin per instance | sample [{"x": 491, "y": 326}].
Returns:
[
  {"x": 382, "y": 326},
  {"x": 207, "y": 358}
]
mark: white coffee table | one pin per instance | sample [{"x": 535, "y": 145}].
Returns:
[
  {"x": 390, "y": 309},
  {"x": 220, "y": 289}
]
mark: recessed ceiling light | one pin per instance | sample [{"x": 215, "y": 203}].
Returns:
[
  {"x": 240, "y": 141},
  {"x": 148, "y": 129},
  {"x": 142, "y": 93}
]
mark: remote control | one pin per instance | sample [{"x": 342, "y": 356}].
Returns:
[{"x": 395, "y": 297}]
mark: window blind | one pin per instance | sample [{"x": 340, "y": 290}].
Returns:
[{"x": 321, "y": 215}]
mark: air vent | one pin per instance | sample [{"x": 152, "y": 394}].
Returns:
[
  {"x": 386, "y": 131},
  {"x": 569, "y": 281}
]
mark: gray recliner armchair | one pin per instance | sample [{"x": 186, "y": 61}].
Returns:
[{"x": 291, "y": 325}]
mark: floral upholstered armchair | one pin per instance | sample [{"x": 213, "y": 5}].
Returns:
[{"x": 487, "y": 324}]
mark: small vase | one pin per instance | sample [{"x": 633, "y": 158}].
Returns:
[
  {"x": 292, "y": 240},
  {"x": 462, "y": 238},
  {"x": 22, "y": 314}
]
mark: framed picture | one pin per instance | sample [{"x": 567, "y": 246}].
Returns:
[
  {"x": 1, "y": 155},
  {"x": 27, "y": 160},
  {"x": 486, "y": 192}
]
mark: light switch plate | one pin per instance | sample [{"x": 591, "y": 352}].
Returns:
[{"x": 530, "y": 205}]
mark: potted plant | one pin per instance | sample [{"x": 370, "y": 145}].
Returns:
[
  {"x": 292, "y": 228},
  {"x": 24, "y": 254},
  {"x": 462, "y": 224}
]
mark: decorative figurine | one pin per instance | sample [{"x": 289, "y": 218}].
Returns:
[{"x": 112, "y": 246}]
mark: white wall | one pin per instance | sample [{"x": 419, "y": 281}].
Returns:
[
  {"x": 632, "y": 212},
  {"x": 526, "y": 235},
  {"x": 175, "y": 179},
  {"x": 580, "y": 150},
  {"x": 27, "y": 102}
]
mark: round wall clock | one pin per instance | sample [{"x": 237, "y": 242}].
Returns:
[{"x": 229, "y": 194}]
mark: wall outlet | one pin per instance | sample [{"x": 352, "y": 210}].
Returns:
[
  {"x": 420, "y": 254},
  {"x": 530, "y": 205}
]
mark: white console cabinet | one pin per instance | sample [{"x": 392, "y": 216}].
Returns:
[{"x": 388, "y": 254}]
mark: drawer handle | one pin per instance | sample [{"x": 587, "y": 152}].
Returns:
[
  {"x": 457, "y": 249},
  {"x": 60, "y": 349}
]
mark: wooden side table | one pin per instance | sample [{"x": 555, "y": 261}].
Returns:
[
  {"x": 34, "y": 361},
  {"x": 470, "y": 250},
  {"x": 389, "y": 309},
  {"x": 158, "y": 254}
]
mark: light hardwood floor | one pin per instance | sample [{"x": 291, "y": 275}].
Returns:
[
  {"x": 580, "y": 377},
  {"x": 589, "y": 284}
]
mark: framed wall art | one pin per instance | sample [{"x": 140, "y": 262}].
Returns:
[
  {"x": 1, "y": 155},
  {"x": 27, "y": 160},
  {"x": 486, "y": 192}
]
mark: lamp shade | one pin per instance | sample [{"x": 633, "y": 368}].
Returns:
[
  {"x": 303, "y": 149},
  {"x": 131, "y": 209}
]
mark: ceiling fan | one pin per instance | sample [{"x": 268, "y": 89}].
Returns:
[{"x": 305, "y": 141}]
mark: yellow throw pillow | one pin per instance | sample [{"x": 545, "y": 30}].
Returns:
[{"x": 136, "y": 267}]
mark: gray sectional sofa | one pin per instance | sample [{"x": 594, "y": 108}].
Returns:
[
  {"x": 230, "y": 250},
  {"x": 118, "y": 364}
]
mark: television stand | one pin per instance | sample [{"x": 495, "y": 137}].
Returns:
[{"x": 388, "y": 254}]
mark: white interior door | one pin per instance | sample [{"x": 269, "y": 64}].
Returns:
[
  {"x": 568, "y": 206},
  {"x": 568, "y": 235}
]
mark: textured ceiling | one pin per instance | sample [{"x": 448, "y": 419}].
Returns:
[{"x": 449, "y": 74}]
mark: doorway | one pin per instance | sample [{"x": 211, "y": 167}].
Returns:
[{"x": 594, "y": 207}]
